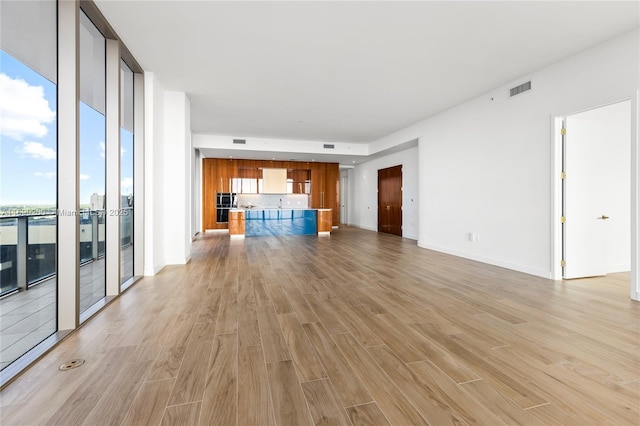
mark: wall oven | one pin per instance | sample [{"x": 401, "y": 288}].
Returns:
[{"x": 224, "y": 202}]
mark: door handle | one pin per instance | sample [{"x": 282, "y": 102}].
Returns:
[{"x": 603, "y": 217}]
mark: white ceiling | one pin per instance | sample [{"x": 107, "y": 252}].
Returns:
[{"x": 349, "y": 71}]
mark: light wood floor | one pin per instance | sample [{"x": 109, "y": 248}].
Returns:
[
  {"x": 358, "y": 328},
  {"x": 28, "y": 317}
]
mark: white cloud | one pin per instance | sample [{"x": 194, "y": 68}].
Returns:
[
  {"x": 46, "y": 175},
  {"x": 24, "y": 111},
  {"x": 126, "y": 183},
  {"x": 84, "y": 177},
  {"x": 37, "y": 150},
  {"x": 103, "y": 147}
]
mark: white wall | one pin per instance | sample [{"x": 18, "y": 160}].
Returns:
[
  {"x": 485, "y": 166},
  {"x": 363, "y": 195},
  {"x": 268, "y": 146},
  {"x": 154, "y": 256},
  {"x": 177, "y": 177}
]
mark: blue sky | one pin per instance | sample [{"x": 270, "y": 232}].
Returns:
[{"x": 28, "y": 141}]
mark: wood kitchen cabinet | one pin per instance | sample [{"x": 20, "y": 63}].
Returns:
[
  {"x": 320, "y": 180},
  {"x": 325, "y": 220},
  {"x": 216, "y": 177},
  {"x": 318, "y": 176},
  {"x": 227, "y": 170},
  {"x": 325, "y": 188},
  {"x": 332, "y": 191},
  {"x": 300, "y": 179},
  {"x": 236, "y": 223},
  {"x": 209, "y": 188}
]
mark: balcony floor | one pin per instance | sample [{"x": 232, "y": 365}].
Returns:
[{"x": 29, "y": 317}]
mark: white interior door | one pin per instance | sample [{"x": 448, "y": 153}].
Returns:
[
  {"x": 585, "y": 189},
  {"x": 343, "y": 199}
]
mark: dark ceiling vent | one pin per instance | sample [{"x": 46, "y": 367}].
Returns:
[
  {"x": 329, "y": 146},
  {"x": 519, "y": 89},
  {"x": 240, "y": 141}
]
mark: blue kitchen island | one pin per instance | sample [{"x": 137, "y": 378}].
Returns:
[{"x": 262, "y": 222}]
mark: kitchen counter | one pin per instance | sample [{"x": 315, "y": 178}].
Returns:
[
  {"x": 254, "y": 208},
  {"x": 262, "y": 221}
]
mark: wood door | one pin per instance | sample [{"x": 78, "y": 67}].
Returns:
[{"x": 390, "y": 200}]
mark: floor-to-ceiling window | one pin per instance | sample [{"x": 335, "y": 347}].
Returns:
[
  {"x": 126, "y": 172},
  {"x": 92, "y": 164},
  {"x": 28, "y": 153},
  {"x": 58, "y": 60}
]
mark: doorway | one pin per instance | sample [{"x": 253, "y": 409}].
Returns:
[
  {"x": 344, "y": 188},
  {"x": 390, "y": 200},
  {"x": 596, "y": 191}
]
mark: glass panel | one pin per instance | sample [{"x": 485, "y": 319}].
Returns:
[
  {"x": 102, "y": 218},
  {"x": 41, "y": 248},
  {"x": 8, "y": 255},
  {"x": 126, "y": 173},
  {"x": 28, "y": 190},
  {"x": 92, "y": 164},
  {"x": 86, "y": 235}
]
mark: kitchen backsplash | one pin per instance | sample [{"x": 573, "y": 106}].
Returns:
[{"x": 273, "y": 201}]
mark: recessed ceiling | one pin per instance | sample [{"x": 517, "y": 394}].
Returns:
[{"x": 349, "y": 71}]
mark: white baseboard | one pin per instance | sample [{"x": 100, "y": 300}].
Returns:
[
  {"x": 612, "y": 269},
  {"x": 156, "y": 269},
  {"x": 491, "y": 261}
]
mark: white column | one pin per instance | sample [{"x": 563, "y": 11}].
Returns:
[
  {"x": 112, "y": 153},
  {"x": 635, "y": 197},
  {"x": 138, "y": 174},
  {"x": 177, "y": 189},
  {"x": 154, "y": 175},
  {"x": 68, "y": 278}
]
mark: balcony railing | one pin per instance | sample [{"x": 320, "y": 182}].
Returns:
[{"x": 28, "y": 245}]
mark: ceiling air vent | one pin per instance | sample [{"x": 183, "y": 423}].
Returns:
[
  {"x": 329, "y": 146},
  {"x": 240, "y": 141},
  {"x": 519, "y": 89}
]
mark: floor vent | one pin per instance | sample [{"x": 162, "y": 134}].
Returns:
[
  {"x": 240, "y": 141},
  {"x": 329, "y": 146},
  {"x": 519, "y": 89},
  {"x": 71, "y": 364}
]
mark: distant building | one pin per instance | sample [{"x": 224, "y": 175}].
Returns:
[
  {"x": 97, "y": 202},
  {"x": 126, "y": 201}
]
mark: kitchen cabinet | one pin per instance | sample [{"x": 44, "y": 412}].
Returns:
[
  {"x": 318, "y": 175},
  {"x": 300, "y": 180},
  {"x": 320, "y": 180},
  {"x": 325, "y": 220},
  {"x": 332, "y": 191},
  {"x": 216, "y": 178},
  {"x": 325, "y": 188},
  {"x": 236, "y": 222},
  {"x": 226, "y": 170}
]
